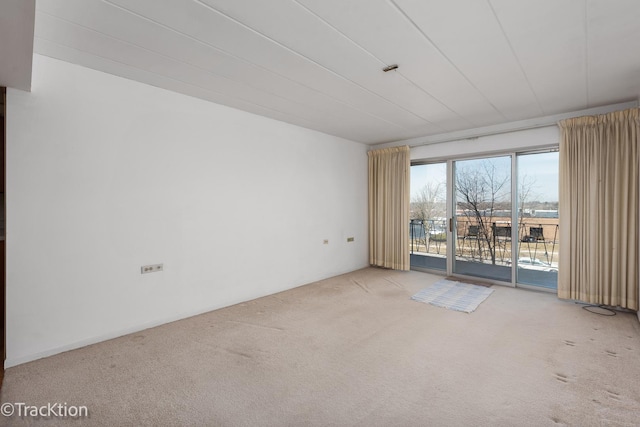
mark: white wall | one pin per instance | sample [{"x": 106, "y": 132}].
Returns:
[{"x": 105, "y": 175}]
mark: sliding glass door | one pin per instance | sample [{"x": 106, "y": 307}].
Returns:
[
  {"x": 482, "y": 238},
  {"x": 428, "y": 224},
  {"x": 538, "y": 227},
  {"x": 493, "y": 217}
]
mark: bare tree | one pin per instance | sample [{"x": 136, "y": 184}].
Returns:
[
  {"x": 525, "y": 197},
  {"x": 481, "y": 190},
  {"x": 427, "y": 205},
  {"x": 525, "y": 192}
]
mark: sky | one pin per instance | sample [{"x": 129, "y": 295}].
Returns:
[{"x": 540, "y": 169}]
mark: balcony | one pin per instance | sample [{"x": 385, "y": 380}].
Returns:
[{"x": 481, "y": 246}]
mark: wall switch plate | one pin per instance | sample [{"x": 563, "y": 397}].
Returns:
[
  {"x": 151, "y": 268},
  {"x": 350, "y": 239}
]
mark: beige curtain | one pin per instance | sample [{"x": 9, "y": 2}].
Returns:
[
  {"x": 389, "y": 207},
  {"x": 599, "y": 209}
]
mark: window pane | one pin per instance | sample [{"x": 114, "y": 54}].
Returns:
[
  {"x": 538, "y": 219},
  {"x": 483, "y": 218},
  {"x": 428, "y": 227}
]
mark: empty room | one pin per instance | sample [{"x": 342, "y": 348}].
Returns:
[{"x": 312, "y": 212}]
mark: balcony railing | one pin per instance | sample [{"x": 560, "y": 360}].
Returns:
[
  {"x": 490, "y": 242},
  {"x": 428, "y": 236}
]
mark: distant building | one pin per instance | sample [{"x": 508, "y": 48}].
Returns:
[{"x": 544, "y": 213}]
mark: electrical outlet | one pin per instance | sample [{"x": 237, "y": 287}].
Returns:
[
  {"x": 350, "y": 239},
  {"x": 152, "y": 268},
  {"x": 325, "y": 242}
]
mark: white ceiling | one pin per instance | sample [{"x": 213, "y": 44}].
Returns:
[{"x": 318, "y": 63}]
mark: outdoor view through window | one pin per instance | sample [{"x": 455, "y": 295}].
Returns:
[{"x": 484, "y": 242}]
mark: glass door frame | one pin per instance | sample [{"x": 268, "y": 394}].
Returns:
[{"x": 451, "y": 208}]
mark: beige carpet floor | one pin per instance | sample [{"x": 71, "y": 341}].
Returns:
[{"x": 356, "y": 351}]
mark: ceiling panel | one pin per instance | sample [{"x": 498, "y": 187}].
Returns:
[
  {"x": 231, "y": 76},
  {"x": 213, "y": 28},
  {"x": 301, "y": 31},
  {"x": 463, "y": 64},
  {"x": 144, "y": 33},
  {"x": 549, "y": 40},
  {"x": 383, "y": 29},
  {"x": 474, "y": 42},
  {"x": 84, "y": 40},
  {"x": 377, "y": 27}
]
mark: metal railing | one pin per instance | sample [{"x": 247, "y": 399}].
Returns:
[
  {"x": 428, "y": 236},
  {"x": 490, "y": 242}
]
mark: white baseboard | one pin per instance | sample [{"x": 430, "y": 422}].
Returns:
[{"x": 9, "y": 363}]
